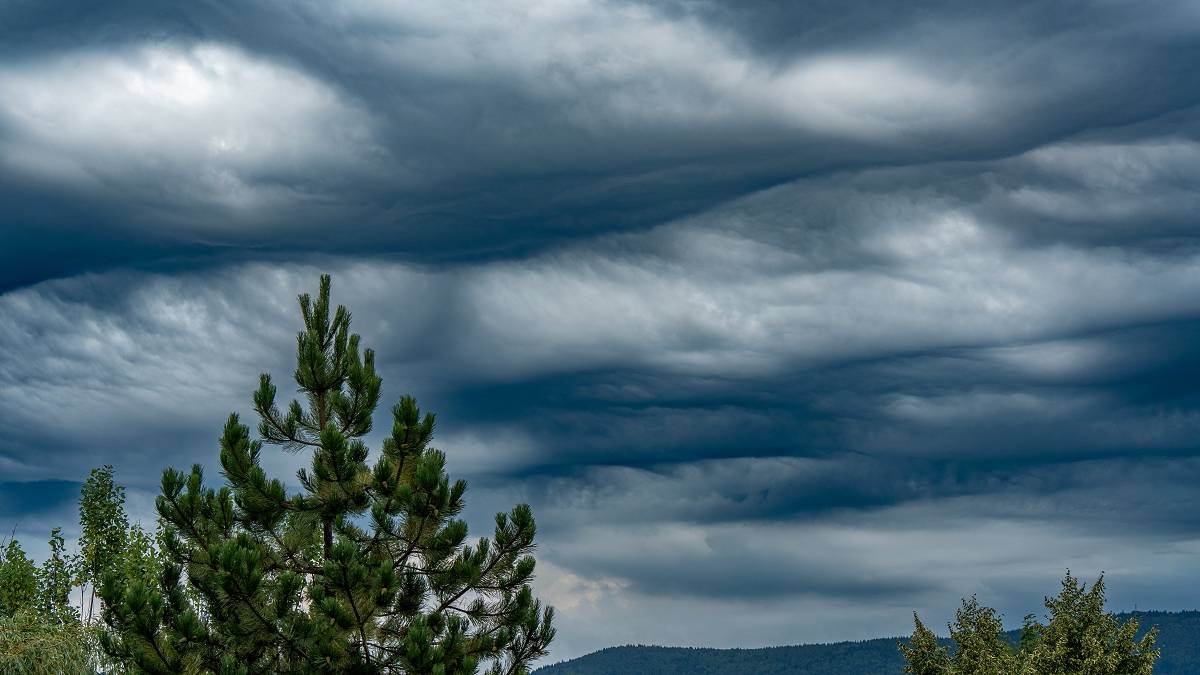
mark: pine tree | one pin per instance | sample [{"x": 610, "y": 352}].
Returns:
[
  {"x": 365, "y": 569},
  {"x": 1082, "y": 638}
]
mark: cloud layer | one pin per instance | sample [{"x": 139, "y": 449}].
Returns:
[
  {"x": 429, "y": 130},
  {"x": 800, "y": 316}
]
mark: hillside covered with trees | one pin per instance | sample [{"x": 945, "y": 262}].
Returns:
[{"x": 1178, "y": 638}]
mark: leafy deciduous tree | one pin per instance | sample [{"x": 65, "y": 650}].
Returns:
[
  {"x": 141, "y": 558},
  {"x": 18, "y": 580},
  {"x": 980, "y": 645},
  {"x": 38, "y": 629},
  {"x": 924, "y": 654},
  {"x": 104, "y": 529},
  {"x": 54, "y": 583},
  {"x": 1082, "y": 638}
]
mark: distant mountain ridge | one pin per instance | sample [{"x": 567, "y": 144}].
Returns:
[{"x": 1178, "y": 638}]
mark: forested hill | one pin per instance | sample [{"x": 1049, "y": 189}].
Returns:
[
  {"x": 842, "y": 658},
  {"x": 1179, "y": 639}
]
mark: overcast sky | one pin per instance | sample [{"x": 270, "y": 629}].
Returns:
[{"x": 788, "y": 318}]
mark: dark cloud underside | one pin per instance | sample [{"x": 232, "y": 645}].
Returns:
[{"x": 773, "y": 311}]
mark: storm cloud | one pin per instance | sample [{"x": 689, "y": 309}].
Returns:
[{"x": 800, "y": 315}]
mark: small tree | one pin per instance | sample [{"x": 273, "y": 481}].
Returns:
[
  {"x": 980, "y": 645},
  {"x": 18, "y": 580},
  {"x": 38, "y": 630},
  {"x": 1082, "y": 638},
  {"x": 104, "y": 529},
  {"x": 365, "y": 569},
  {"x": 1027, "y": 641},
  {"x": 924, "y": 654},
  {"x": 54, "y": 583},
  {"x": 141, "y": 558}
]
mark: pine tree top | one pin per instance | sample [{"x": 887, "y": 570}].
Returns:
[{"x": 366, "y": 568}]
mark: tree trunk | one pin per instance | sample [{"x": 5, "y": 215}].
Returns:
[{"x": 323, "y": 419}]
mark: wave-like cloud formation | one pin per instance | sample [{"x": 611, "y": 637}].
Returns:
[
  {"x": 143, "y": 130},
  {"x": 827, "y": 314}
]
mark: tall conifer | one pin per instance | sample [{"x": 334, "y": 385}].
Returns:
[{"x": 364, "y": 569}]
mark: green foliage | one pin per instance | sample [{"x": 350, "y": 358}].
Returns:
[
  {"x": 981, "y": 647},
  {"x": 1027, "y": 639},
  {"x": 872, "y": 657},
  {"x": 366, "y": 569},
  {"x": 54, "y": 583},
  {"x": 104, "y": 530},
  {"x": 18, "y": 580},
  {"x": 1178, "y": 635},
  {"x": 1082, "y": 638},
  {"x": 39, "y": 631},
  {"x": 141, "y": 559},
  {"x": 31, "y": 644},
  {"x": 925, "y": 655}
]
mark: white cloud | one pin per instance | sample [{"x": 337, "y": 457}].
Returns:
[
  {"x": 627, "y": 65},
  {"x": 209, "y": 125},
  {"x": 1096, "y": 182},
  {"x": 947, "y": 280},
  {"x": 983, "y": 407},
  {"x": 1059, "y": 359},
  {"x": 212, "y": 125},
  {"x": 754, "y": 289},
  {"x": 935, "y": 553},
  {"x": 917, "y": 328}
]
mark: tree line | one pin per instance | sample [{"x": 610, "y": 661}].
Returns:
[
  {"x": 41, "y": 631},
  {"x": 1079, "y": 637}
]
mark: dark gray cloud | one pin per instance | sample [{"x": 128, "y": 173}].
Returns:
[
  {"x": 426, "y": 130},
  {"x": 36, "y": 496},
  {"x": 772, "y": 310}
]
